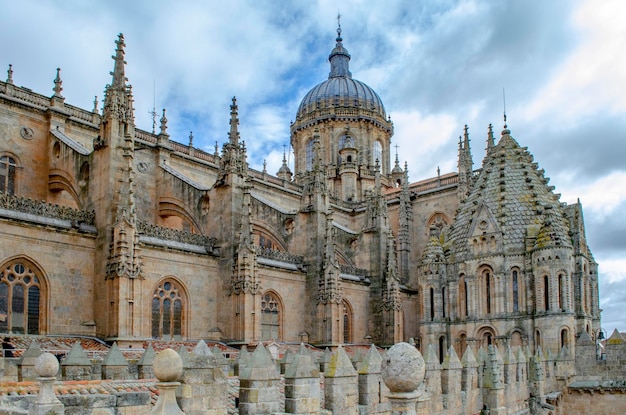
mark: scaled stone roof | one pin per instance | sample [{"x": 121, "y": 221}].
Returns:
[{"x": 515, "y": 193}]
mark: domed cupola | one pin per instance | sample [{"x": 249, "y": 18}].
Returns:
[
  {"x": 337, "y": 104},
  {"x": 341, "y": 92}
]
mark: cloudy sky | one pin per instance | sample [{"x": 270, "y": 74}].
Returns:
[{"x": 436, "y": 65}]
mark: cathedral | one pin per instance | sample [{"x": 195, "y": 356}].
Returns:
[{"x": 111, "y": 231}]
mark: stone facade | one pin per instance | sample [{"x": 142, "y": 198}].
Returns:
[{"x": 110, "y": 231}]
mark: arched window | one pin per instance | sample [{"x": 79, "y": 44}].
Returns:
[
  {"x": 432, "y": 303},
  {"x": 347, "y": 322},
  {"x": 462, "y": 344},
  {"x": 564, "y": 338},
  {"x": 515, "y": 284},
  {"x": 546, "y": 292},
  {"x": 442, "y": 348},
  {"x": 487, "y": 290},
  {"x": 537, "y": 338},
  {"x": 377, "y": 153},
  {"x": 463, "y": 309},
  {"x": 20, "y": 299},
  {"x": 168, "y": 310},
  {"x": 7, "y": 174},
  {"x": 309, "y": 154},
  {"x": 443, "y": 301},
  {"x": 270, "y": 317},
  {"x": 561, "y": 286}
]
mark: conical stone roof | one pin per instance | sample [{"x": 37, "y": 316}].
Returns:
[{"x": 512, "y": 192}]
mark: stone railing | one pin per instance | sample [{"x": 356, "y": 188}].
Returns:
[
  {"x": 24, "y": 95},
  {"x": 42, "y": 208},
  {"x": 350, "y": 270},
  {"x": 159, "y": 232},
  {"x": 279, "y": 256}
]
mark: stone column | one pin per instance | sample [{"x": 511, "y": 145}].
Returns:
[
  {"x": 370, "y": 381},
  {"x": 204, "y": 387},
  {"x": 341, "y": 388},
  {"x": 46, "y": 368},
  {"x": 168, "y": 368},
  {"x": 114, "y": 365},
  {"x": 403, "y": 371},
  {"x": 302, "y": 385},
  {"x": 76, "y": 365},
  {"x": 494, "y": 383},
  {"x": 451, "y": 381},
  {"x": 26, "y": 364},
  {"x": 259, "y": 385},
  {"x": 144, "y": 365}
]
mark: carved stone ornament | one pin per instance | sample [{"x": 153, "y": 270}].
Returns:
[
  {"x": 27, "y": 133},
  {"x": 142, "y": 166}
]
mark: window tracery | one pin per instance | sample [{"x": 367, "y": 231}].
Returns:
[
  {"x": 168, "y": 311},
  {"x": 20, "y": 299},
  {"x": 270, "y": 317}
]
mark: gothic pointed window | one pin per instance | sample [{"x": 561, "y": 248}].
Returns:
[
  {"x": 487, "y": 290},
  {"x": 20, "y": 298},
  {"x": 270, "y": 317},
  {"x": 168, "y": 310},
  {"x": 8, "y": 168},
  {"x": 444, "y": 302},
  {"x": 347, "y": 322},
  {"x": 432, "y": 303}
]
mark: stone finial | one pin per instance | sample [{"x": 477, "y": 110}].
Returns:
[
  {"x": 76, "y": 357},
  {"x": 190, "y": 138},
  {"x": 183, "y": 352},
  {"x": 147, "y": 358},
  {"x": 10, "y": 75},
  {"x": 168, "y": 368},
  {"x": 302, "y": 366},
  {"x": 403, "y": 368},
  {"x": 114, "y": 357},
  {"x": 615, "y": 338},
  {"x": 95, "y": 105},
  {"x": 163, "y": 124},
  {"x": 509, "y": 357},
  {"x": 202, "y": 349},
  {"x": 451, "y": 360},
  {"x": 372, "y": 362},
  {"x": 340, "y": 364},
  {"x": 468, "y": 359},
  {"x": 432, "y": 360},
  {"x": 46, "y": 365},
  {"x": 261, "y": 366},
  {"x": 58, "y": 85},
  {"x": 584, "y": 339}
]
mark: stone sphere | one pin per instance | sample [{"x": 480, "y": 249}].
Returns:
[
  {"x": 167, "y": 366},
  {"x": 46, "y": 365},
  {"x": 403, "y": 368}
]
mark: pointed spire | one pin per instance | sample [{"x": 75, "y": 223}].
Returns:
[
  {"x": 10, "y": 75},
  {"x": 234, "y": 122},
  {"x": 163, "y": 124},
  {"x": 284, "y": 172},
  {"x": 466, "y": 140},
  {"x": 58, "y": 85},
  {"x": 119, "y": 79},
  {"x": 216, "y": 152},
  {"x": 339, "y": 57},
  {"x": 490, "y": 139},
  {"x": 190, "y": 139},
  {"x": 114, "y": 357},
  {"x": 148, "y": 356},
  {"x": 95, "y": 104}
]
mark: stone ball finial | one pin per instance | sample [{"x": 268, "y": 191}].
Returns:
[
  {"x": 46, "y": 365},
  {"x": 403, "y": 368},
  {"x": 167, "y": 366}
]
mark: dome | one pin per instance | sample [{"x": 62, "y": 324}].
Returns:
[{"x": 341, "y": 92}]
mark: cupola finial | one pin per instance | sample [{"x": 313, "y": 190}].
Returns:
[{"x": 339, "y": 57}]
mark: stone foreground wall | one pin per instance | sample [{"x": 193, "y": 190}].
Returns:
[{"x": 512, "y": 382}]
